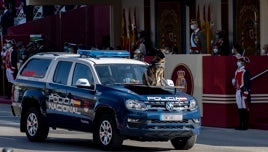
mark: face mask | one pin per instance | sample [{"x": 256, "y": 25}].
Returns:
[
  {"x": 239, "y": 64},
  {"x": 193, "y": 27},
  {"x": 262, "y": 52},
  {"x": 215, "y": 51},
  {"x": 8, "y": 45}
]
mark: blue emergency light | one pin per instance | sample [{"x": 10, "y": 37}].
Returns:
[{"x": 104, "y": 53}]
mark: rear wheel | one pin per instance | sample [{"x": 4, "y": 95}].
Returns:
[
  {"x": 105, "y": 134},
  {"x": 36, "y": 128},
  {"x": 184, "y": 143}
]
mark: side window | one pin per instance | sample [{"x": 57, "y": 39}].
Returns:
[
  {"x": 62, "y": 72},
  {"x": 36, "y": 68},
  {"x": 82, "y": 71}
]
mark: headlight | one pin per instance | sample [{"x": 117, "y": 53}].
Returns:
[
  {"x": 193, "y": 104},
  {"x": 135, "y": 105}
]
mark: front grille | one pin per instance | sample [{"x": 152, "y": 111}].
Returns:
[
  {"x": 157, "y": 124},
  {"x": 169, "y": 127},
  {"x": 164, "y": 127},
  {"x": 161, "y": 105}
]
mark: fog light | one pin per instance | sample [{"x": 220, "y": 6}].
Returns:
[{"x": 132, "y": 120}]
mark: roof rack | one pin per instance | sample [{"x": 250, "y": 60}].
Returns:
[{"x": 104, "y": 53}]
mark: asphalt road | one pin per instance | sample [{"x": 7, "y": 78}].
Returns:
[{"x": 210, "y": 140}]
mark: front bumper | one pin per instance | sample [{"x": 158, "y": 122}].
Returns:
[
  {"x": 149, "y": 126},
  {"x": 159, "y": 134}
]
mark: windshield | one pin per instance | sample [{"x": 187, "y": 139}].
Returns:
[{"x": 120, "y": 73}]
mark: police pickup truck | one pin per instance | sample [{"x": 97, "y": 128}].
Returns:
[{"x": 101, "y": 92}]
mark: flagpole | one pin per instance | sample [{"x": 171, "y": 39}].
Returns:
[{"x": 3, "y": 71}]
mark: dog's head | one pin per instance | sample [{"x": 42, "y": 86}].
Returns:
[{"x": 159, "y": 60}]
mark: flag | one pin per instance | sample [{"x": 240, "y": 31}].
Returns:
[
  {"x": 76, "y": 103},
  {"x": 129, "y": 25},
  {"x": 209, "y": 33},
  {"x": 197, "y": 13},
  {"x": 209, "y": 15},
  {"x": 129, "y": 31},
  {"x": 203, "y": 22},
  {"x": 123, "y": 31},
  {"x": 134, "y": 28}
]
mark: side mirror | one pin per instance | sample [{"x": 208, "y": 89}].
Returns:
[{"x": 83, "y": 83}]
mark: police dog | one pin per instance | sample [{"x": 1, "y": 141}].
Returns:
[{"x": 154, "y": 75}]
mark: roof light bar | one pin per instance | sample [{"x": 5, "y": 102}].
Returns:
[{"x": 104, "y": 53}]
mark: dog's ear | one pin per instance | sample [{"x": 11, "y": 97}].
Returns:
[{"x": 160, "y": 54}]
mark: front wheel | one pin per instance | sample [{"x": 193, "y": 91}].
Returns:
[
  {"x": 105, "y": 134},
  {"x": 184, "y": 143},
  {"x": 36, "y": 128}
]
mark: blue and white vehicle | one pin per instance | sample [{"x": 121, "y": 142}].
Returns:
[{"x": 101, "y": 92}]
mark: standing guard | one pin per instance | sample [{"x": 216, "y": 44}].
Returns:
[
  {"x": 10, "y": 61},
  {"x": 242, "y": 83},
  {"x": 198, "y": 39}
]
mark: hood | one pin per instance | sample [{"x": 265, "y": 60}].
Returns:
[
  {"x": 155, "y": 96},
  {"x": 144, "y": 90}
]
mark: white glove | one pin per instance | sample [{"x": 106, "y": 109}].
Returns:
[{"x": 233, "y": 81}]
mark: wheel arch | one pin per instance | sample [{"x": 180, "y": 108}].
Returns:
[
  {"x": 32, "y": 98},
  {"x": 103, "y": 110}
]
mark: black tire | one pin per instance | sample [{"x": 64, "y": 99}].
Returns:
[
  {"x": 184, "y": 143},
  {"x": 36, "y": 128},
  {"x": 105, "y": 134}
]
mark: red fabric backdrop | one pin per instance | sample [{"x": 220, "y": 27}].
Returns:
[{"x": 86, "y": 26}]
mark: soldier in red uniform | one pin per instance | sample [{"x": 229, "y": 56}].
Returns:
[
  {"x": 9, "y": 56},
  {"x": 243, "y": 97}
]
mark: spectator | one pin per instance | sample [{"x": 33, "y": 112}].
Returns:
[
  {"x": 264, "y": 50},
  {"x": 29, "y": 50},
  {"x": 21, "y": 53},
  {"x": 237, "y": 50},
  {"x": 220, "y": 44},
  {"x": 7, "y": 19},
  {"x": 198, "y": 39},
  {"x": 39, "y": 43},
  {"x": 140, "y": 50},
  {"x": 72, "y": 48}
]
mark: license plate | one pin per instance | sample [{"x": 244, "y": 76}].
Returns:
[{"x": 171, "y": 117}]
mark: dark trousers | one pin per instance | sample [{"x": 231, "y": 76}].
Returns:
[{"x": 243, "y": 119}]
